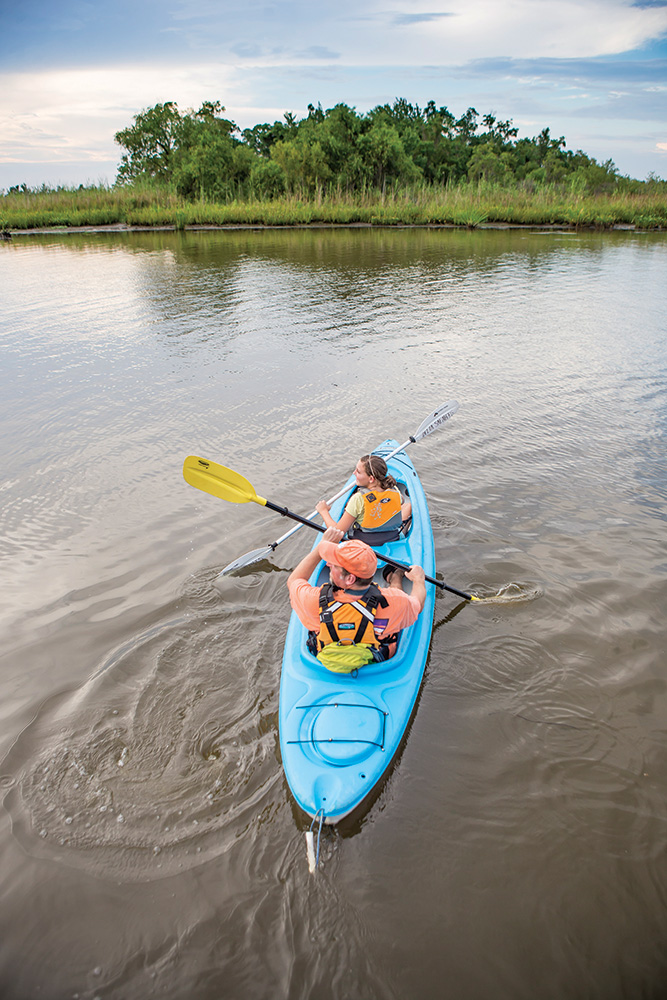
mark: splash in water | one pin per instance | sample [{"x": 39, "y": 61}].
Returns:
[{"x": 510, "y": 593}]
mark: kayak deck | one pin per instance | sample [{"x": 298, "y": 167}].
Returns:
[{"x": 340, "y": 732}]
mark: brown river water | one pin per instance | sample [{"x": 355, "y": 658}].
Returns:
[{"x": 149, "y": 846}]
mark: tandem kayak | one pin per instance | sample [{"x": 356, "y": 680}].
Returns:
[{"x": 340, "y": 732}]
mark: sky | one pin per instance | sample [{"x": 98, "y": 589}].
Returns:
[{"x": 74, "y": 72}]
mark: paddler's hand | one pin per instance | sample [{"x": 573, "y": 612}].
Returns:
[
  {"x": 305, "y": 568},
  {"x": 333, "y": 535},
  {"x": 417, "y": 577},
  {"x": 322, "y": 507},
  {"x": 415, "y": 574}
]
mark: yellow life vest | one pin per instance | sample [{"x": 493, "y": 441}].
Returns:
[{"x": 382, "y": 510}]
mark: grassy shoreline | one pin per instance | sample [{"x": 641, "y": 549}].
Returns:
[{"x": 464, "y": 205}]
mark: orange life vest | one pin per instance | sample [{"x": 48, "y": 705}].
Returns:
[
  {"x": 382, "y": 510},
  {"x": 349, "y": 622}
]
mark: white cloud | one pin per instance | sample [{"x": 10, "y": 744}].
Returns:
[
  {"x": 61, "y": 115},
  {"x": 261, "y": 60},
  {"x": 410, "y": 33}
]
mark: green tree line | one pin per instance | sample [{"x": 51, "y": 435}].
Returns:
[{"x": 203, "y": 155}]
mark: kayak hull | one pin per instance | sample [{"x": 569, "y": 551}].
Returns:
[{"x": 339, "y": 732}]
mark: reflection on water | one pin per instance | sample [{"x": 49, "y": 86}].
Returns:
[{"x": 149, "y": 845}]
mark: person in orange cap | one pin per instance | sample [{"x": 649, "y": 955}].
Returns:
[{"x": 351, "y": 609}]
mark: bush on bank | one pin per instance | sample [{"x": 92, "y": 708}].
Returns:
[
  {"x": 396, "y": 165},
  {"x": 643, "y": 205}
]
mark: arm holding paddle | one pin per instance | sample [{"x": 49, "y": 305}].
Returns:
[
  {"x": 305, "y": 569},
  {"x": 417, "y": 578},
  {"x": 431, "y": 423},
  {"x": 377, "y": 488},
  {"x": 219, "y": 481},
  {"x": 345, "y": 521},
  {"x": 352, "y": 565}
]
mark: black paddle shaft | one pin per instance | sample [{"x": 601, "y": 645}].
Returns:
[{"x": 392, "y": 562}]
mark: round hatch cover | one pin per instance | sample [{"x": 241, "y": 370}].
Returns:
[{"x": 347, "y": 730}]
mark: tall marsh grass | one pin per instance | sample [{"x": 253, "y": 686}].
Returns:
[{"x": 465, "y": 204}]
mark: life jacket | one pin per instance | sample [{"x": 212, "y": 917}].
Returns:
[
  {"x": 349, "y": 622},
  {"x": 382, "y": 510}
]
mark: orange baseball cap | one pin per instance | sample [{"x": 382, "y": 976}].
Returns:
[{"x": 354, "y": 556}]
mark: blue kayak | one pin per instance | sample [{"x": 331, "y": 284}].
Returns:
[{"x": 340, "y": 732}]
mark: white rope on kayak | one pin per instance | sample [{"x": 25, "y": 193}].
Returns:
[{"x": 313, "y": 856}]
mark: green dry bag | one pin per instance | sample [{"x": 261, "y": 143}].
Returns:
[{"x": 344, "y": 659}]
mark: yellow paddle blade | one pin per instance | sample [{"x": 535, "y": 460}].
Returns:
[{"x": 219, "y": 481}]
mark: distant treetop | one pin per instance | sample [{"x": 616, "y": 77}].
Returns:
[{"x": 204, "y": 155}]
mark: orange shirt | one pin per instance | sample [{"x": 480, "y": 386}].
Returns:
[{"x": 402, "y": 610}]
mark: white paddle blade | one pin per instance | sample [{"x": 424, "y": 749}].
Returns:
[
  {"x": 310, "y": 852},
  {"x": 436, "y": 419},
  {"x": 247, "y": 560}
]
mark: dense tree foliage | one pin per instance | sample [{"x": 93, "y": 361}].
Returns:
[{"x": 205, "y": 156}]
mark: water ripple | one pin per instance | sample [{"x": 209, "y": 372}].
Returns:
[
  {"x": 161, "y": 761},
  {"x": 504, "y": 663}
]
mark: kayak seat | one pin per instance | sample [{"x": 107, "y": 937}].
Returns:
[{"x": 375, "y": 538}]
